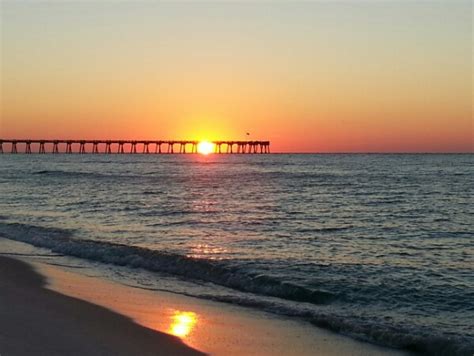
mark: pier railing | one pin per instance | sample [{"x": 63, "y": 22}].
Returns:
[{"x": 28, "y": 146}]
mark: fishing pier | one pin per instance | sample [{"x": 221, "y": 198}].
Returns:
[{"x": 29, "y": 146}]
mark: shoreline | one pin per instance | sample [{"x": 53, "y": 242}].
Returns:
[
  {"x": 36, "y": 320},
  {"x": 219, "y": 328}
]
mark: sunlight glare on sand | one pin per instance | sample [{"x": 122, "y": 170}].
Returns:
[{"x": 182, "y": 323}]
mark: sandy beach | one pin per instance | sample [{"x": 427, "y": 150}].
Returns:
[
  {"x": 38, "y": 321},
  {"x": 50, "y": 310}
]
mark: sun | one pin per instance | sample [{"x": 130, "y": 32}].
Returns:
[{"x": 205, "y": 147}]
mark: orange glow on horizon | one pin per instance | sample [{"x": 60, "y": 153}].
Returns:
[{"x": 291, "y": 84}]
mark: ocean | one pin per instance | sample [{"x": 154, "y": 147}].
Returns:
[{"x": 379, "y": 247}]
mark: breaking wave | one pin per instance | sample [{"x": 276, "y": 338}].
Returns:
[{"x": 218, "y": 272}]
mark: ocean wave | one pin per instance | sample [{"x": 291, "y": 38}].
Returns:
[
  {"x": 324, "y": 229},
  {"x": 60, "y": 173},
  {"x": 152, "y": 192},
  {"x": 400, "y": 337},
  {"x": 217, "y": 272}
]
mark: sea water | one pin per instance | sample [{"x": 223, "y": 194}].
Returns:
[{"x": 378, "y": 247}]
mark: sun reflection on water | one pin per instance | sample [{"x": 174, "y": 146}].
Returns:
[
  {"x": 182, "y": 323},
  {"x": 207, "y": 251}
]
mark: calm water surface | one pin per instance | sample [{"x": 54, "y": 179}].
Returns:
[{"x": 379, "y": 247}]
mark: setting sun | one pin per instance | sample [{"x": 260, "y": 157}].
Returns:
[{"x": 205, "y": 147}]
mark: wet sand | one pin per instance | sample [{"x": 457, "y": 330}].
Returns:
[{"x": 38, "y": 321}]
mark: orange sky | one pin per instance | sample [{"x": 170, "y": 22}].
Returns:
[{"x": 311, "y": 77}]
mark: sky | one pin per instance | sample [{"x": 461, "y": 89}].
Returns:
[{"x": 314, "y": 76}]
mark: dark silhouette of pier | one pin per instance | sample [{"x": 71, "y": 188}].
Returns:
[{"x": 28, "y": 146}]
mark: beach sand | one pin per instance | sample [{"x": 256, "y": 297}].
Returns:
[
  {"x": 38, "y": 321},
  {"x": 50, "y": 310}
]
